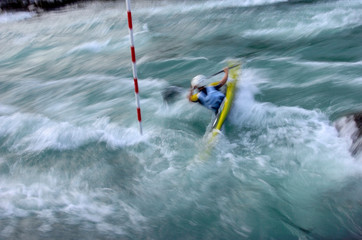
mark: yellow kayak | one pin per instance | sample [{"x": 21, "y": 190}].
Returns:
[
  {"x": 225, "y": 107},
  {"x": 223, "y": 112}
]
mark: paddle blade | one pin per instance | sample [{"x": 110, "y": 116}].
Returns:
[{"x": 170, "y": 93}]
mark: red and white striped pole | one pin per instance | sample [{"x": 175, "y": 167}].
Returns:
[{"x": 134, "y": 68}]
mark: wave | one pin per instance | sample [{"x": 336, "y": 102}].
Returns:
[
  {"x": 268, "y": 126},
  {"x": 59, "y": 124},
  {"x": 186, "y": 6},
  {"x": 311, "y": 24},
  {"x": 315, "y": 64},
  {"x": 146, "y": 58},
  {"x": 15, "y": 17},
  {"x": 47, "y": 203},
  {"x": 93, "y": 46},
  {"x": 25, "y": 132}
]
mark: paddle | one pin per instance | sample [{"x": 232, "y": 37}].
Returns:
[
  {"x": 171, "y": 92},
  {"x": 223, "y": 71}
]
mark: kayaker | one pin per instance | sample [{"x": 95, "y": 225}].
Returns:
[{"x": 209, "y": 96}]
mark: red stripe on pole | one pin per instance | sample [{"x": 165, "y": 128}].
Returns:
[
  {"x": 129, "y": 14},
  {"x": 135, "y": 85},
  {"x": 139, "y": 114},
  {"x": 133, "y": 53}
]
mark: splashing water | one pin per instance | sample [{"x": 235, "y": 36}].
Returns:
[{"x": 73, "y": 164}]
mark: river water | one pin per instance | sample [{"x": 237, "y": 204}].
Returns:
[{"x": 74, "y": 166}]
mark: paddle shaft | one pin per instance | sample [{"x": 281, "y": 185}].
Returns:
[{"x": 223, "y": 70}]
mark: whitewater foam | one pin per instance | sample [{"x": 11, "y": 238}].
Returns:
[
  {"x": 74, "y": 166},
  {"x": 199, "y": 6},
  {"x": 93, "y": 46},
  {"x": 331, "y": 19},
  {"x": 36, "y": 133},
  {"x": 8, "y": 17}
]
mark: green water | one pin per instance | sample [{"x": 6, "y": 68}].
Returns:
[{"x": 73, "y": 165}]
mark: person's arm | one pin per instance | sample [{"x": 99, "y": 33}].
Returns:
[
  {"x": 225, "y": 78},
  {"x": 192, "y": 97}
]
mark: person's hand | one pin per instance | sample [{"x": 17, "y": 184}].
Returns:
[{"x": 226, "y": 70}]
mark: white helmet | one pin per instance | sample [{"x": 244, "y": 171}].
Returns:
[{"x": 199, "y": 81}]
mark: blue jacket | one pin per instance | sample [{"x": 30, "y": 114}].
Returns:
[{"x": 211, "y": 98}]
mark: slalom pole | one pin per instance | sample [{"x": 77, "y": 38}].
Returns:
[{"x": 134, "y": 68}]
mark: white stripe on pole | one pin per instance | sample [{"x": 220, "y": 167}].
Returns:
[{"x": 134, "y": 68}]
